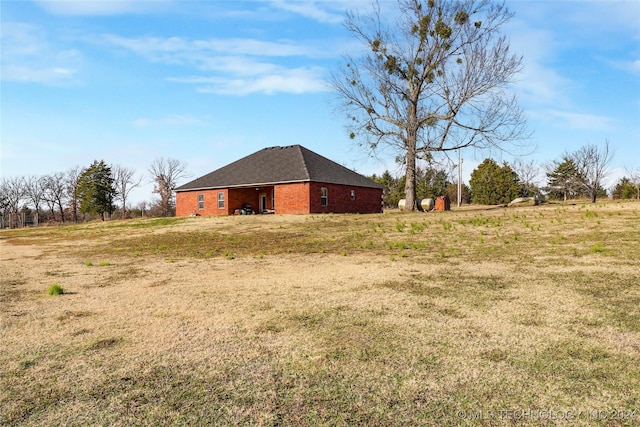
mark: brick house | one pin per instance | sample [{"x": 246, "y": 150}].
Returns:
[{"x": 282, "y": 180}]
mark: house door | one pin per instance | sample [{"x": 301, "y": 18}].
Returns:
[{"x": 263, "y": 202}]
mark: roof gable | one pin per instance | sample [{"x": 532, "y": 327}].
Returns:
[{"x": 275, "y": 165}]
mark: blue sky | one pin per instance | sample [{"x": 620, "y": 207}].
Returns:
[{"x": 211, "y": 82}]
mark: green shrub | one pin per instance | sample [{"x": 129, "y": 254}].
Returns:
[{"x": 55, "y": 289}]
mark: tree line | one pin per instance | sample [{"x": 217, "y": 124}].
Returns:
[
  {"x": 99, "y": 190},
  {"x": 579, "y": 174}
]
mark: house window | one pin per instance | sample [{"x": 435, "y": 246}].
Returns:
[
  {"x": 200, "y": 201},
  {"x": 324, "y": 196},
  {"x": 221, "y": 200},
  {"x": 353, "y": 195}
]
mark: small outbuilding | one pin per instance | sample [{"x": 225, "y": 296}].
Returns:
[
  {"x": 443, "y": 203},
  {"x": 281, "y": 180}
]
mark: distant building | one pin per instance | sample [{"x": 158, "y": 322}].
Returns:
[{"x": 281, "y": 180}]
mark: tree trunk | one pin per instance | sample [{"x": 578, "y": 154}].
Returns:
[
  {"x": 61, "y": 209},
  {"x": 410, "y": 180}
]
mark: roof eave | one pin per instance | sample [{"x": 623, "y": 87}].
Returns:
[
  {"x": 263, "y": 184},
  {"x": 257, "y": 184}
]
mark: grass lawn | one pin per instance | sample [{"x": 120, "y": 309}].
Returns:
[{"x": 477, "y": 316}]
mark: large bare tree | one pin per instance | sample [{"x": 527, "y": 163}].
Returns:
[
  {"x": 56, "y": 192},
  {"x": 435, "y": 79},
  {"x": 124, "y": 180},
  {"x": 72, "y": 183},
  {"x": 35, "y": 189},
  {"x": 13, "y": 192},
  {"x": 165, "y": 173},
  {"x": 592, "y": 163}
]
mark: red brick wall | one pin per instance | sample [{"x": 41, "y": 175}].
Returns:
[
  {"x": 187, "y": 203},
  {"x": 367, "y": 200},
  {"x": 295, "y": 198},
  {"x": 292, "y": 198}
]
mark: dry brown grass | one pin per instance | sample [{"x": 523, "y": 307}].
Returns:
[{"x": 395, "y": 319}]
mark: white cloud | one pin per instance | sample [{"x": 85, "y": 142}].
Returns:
[
  {"x": 242, "y": 46},
  {"x": 312, "y": 9},
  {"x": 630, "y": 66},
  {"x": 98, "y": 7},
  {"x": 235, "y": 66},
  {"x": 542, "y": 85},
  {"x": 28, "y": 55},
  {"x": 610, "y": 17},
  {"x": 238, "y": 65},
  {"x": 582, "y": 121},
  {"x": 180, "y": 50},
  {"x": 538, "y": 83},
  {"x": 172, "y": 120},
  {"x": 296, "y": 81}
]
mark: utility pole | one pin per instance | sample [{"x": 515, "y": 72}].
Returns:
[{"x": 459, "y": 179}]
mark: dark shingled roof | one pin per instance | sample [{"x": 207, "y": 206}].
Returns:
[{"x": 279, "y": 165}]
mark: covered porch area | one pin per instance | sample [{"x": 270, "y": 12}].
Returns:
[{"x": 251, "y": 200}]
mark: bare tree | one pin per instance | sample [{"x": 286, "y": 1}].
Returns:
[
  {"x": 165, "y": 173},
  {"x": 124, "y": 181},
  {"x": 528, "y": 174},
  {"x": 14, "y": 192},
  {"x": 56, "y": 192},
  {"x": 4, "y": 203},
  {"x": 593, "y": 167},
  {"x": 72, "y": 183},
  {"x": 142, "y": 206},
  {"x": 435, "y": 80},
  {"x": 35, "y": 188},
  {"x": 634, "y": 177},
  {"x": 47, "y": 197}
]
